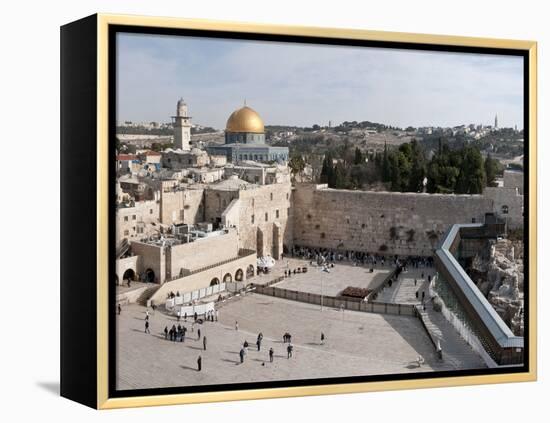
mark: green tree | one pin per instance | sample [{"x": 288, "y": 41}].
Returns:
[
  {"x": 327, "y": 169},
  {"x": 358, "y": 158},
  {"x": 297, "y": 164},
  {"x": 395, "y": 174},
  {"x": 386, "y": 165},
  {"x": 471, "y": 179},
  {"x": 491, "y": 169}
]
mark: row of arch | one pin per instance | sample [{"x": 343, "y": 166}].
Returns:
[
  {"x": 148, "y": 275},
  {"x": 239, "y": 274}
]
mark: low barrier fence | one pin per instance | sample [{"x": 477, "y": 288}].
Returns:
[
  {"x": 188, "y": 297},
  {"x": 335, "y": 302}
]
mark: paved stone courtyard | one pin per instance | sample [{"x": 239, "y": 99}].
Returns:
[
  {"x": 356, "y": 344},
  {"x": 332, "y": 283}
]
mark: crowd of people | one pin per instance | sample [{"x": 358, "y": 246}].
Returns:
[{"x": 330, "y": 256}]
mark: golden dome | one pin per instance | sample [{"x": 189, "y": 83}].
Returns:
[{"x": 245, "y": 119}]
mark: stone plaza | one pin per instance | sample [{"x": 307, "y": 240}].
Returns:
[{"x": 356, "y": 343}]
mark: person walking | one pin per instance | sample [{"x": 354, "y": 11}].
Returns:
[
  {"x": 289, "y": 351},
  {"x": 119, "y": 309},
  {"x": 165, "y": 332},
  {"x": 199, "y": 363},
  {"x": 195, "y": 316},
  {"x": 204, "y": 342},
  {"x": 271, "y": 355},
  {"x": 147, "y": 327},
  {"x": 241, "y": 355},
  {"x": 199, "y": 334},
  {"x": 217, "y": 315},
  {"x": 322, "y": 338},
  {"x": 258, "y": 344}
]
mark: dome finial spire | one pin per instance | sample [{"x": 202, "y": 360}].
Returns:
[{"x": 245, "y": 101}]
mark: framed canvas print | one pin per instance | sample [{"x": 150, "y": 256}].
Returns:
[{"x": 255, "y": 211}]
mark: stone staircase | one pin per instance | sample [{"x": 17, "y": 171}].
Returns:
[{"x": 147, "y": 294}]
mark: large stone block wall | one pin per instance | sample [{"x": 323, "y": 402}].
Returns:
[
  {"x": 271, "y": 227},
  {"x": 151, "y": 257},
  {"x": 379, "y": 222},
  {"x": 185, "y": 206},
  {"x": 215, "y": 203},
  {"x": 204, "y": 252}
]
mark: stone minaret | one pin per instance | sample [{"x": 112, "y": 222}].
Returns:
[
  {"x": 182, "y": 126},
  {"x": 496, "y": 122}
]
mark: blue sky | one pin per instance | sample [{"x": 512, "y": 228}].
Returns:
[{"x": 303, "y": 84}]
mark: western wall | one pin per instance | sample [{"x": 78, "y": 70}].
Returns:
[{"x": 379, "y": 222}]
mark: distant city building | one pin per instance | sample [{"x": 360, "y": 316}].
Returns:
[{"x": 245, "y": 139}]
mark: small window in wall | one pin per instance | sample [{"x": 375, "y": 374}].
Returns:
[
  {"x": 271, "y": 196},
  {"x": 287, "y": 195},
  {"x": 266, "y": 217},
  {"x": 252, "y": 219},
  {"x": 276, "y": 214},
  {"x": 126, "y": 218},
  {"x": 150, "y": 211},
  {"x": 473, "y": 220},
  {"x": 126, "y": 232},
  {"x": 252, "y": 202},
  {"x": 133, "y": 217},
  {"x": 504, "y": 209}
]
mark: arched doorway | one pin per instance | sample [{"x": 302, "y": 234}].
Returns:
[
  {"x": 149, "y": 275},
  {"x": 250, "y": 272},
  {"x": 228, "y": 278},
  {"x": 129, "y": 274},
  {"x": 239, "y": 275},
  {"x": 214, "y": 281}
]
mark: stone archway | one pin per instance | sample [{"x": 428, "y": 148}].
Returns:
[
  {"x": 214, "y": 281},
  {"x": 129, "y": 274},
  {"x": 149, "y": 275},
  {"x": 250, "y": 272},
  {"x": 239, "y": 274},
  {"x": 228, "y": 278}
]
